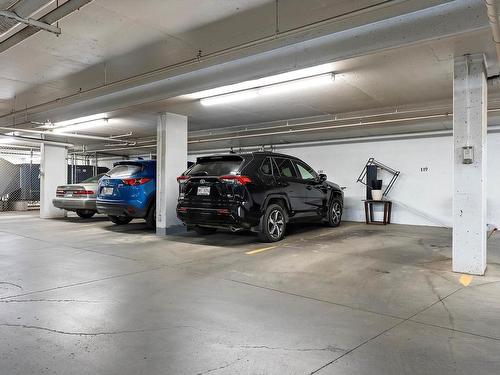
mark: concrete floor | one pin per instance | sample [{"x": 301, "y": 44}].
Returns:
[{"x": 87, "y": 297}]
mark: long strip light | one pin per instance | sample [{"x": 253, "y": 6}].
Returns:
[
  {"x": 284, "y": 82},
  {"x": 80, "y": 123},
  {"x": 81, "y": 126}
]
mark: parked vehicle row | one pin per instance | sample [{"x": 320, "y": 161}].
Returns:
[
  {"x": 125, "y": 192},
  {"x": 260, "y": 192}
]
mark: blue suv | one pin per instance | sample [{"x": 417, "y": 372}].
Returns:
[{"x": 128, "y": 191}]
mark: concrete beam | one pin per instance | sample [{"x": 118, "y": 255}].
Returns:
[
  {"x": 470, "y": 100},
  {"x": 171, "y": 161}
]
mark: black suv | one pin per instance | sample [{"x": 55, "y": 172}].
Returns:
[{"x": 259, "y": 191}]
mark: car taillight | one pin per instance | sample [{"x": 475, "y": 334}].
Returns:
[
  {"x": 242, "y": 180},
  {"x": 84, "y": 192},
  {"x": 135, "y": 181},
  {"x": 182, "y": 179}
]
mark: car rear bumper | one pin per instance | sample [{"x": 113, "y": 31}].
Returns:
[
  {"x": 234, "y": 217},
  {"x": 70, "y": 204},
  {"x": 120, "y": 209}
]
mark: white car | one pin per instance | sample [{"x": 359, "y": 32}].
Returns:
[{"x": 80, "y": 198}]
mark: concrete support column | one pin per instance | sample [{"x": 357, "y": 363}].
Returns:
[
  {"x": 53, "y": 172},
  {"x": 171, "y": 161},
  {"x": 470, "y": 102}
]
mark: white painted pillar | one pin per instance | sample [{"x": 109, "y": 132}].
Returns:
[
  {"x": 171, "y": 161},
  {"x": 53, "y": 172},
  {"x": 470, "y": 102}
]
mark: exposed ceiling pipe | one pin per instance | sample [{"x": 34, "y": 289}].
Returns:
[
  {"x": 62, "y": 135},
  {"x": 31, "y": 22},
  {"x": 296, "y": 121},
  {"x": 235, "y": 135},
  {"x": 115, "y": 149},
  {"x": 36, "y": 140},
  {"x": 492, "y": 8},
  {"x": 146, "y": 144},
  {"x": 319, "y": 128},
  {"x": 370, "y": 138},
  {"x": 432, "y": 133}
]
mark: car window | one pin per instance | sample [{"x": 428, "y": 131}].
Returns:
[
  {"x": 305, "y": 171},
  {"x": 266, "y": 167},
  {"x": 285, "y": 167},
  {"x": 124, "y": 170},
  {"x": 216, "y": 166}
]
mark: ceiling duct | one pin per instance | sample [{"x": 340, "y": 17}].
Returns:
[
  {"x": 30, "y": 22},
  {"x": 48, "y": 19}
]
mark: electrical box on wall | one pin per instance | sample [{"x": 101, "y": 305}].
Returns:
[{"x": 468, "y": 154}]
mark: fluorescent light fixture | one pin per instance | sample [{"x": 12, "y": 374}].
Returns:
[
  {"x": 8, "y": 141},
  {"x": 99, "y": 116},
  {"x": 265, "y": 81},
  {"x": 230, "y": 98},
  {"x": 79, "y": 123},
  {"x": 80, "y": 126},
  {"x": 270, "y": 89}
]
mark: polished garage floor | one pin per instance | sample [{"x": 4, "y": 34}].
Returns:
[{"x": 87, "y": 297}]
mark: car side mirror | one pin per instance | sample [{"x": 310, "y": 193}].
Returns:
[{"x": 322, "y": 177}]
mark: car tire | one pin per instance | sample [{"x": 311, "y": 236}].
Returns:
[
  {"x": 273, "y": 224},
  {"x": 120, "y": 220},
  {"x": 151, "y": 217},
  {"x": 335, "y": 213},
  {"x": 203, "y": 231},
  {"x": 85, "y": 214}
]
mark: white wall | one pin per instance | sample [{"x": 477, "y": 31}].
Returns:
[{"x": 420, "y": 197}]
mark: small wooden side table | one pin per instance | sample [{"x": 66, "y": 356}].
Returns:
[{"x": 369, "y": 212}]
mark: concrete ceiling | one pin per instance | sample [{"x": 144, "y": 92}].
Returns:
[
  {"x": 411, "y": 75},
  {"x": 107, "y": 42}
]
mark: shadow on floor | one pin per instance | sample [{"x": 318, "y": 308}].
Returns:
[
  {"x": 136, "y": 226},
  {"x": 79, "y": 220},
  {"x": 229, "y": 239}
]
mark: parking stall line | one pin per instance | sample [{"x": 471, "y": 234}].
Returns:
[{"x": 260, "y": 250}]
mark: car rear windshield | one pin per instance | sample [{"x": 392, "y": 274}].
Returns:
[
  {"x": 216, "y": 166},
  {"x": 124, "y": 170}
]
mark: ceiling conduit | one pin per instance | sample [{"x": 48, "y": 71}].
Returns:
[{"x": 62, "y": 135}]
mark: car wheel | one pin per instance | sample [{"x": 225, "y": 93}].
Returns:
[
  {"x": 273, "y": 224},
  {"x": 120, "y": 220},
  {"x": 335, "y": 213},
  {"x": 151, "y": 217},
  {"x": 85, "y": 214},
  {"x": 203, "y": 231}
]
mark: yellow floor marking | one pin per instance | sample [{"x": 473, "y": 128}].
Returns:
[
  {"x": 260, "y": 250},
  {"x": 465, "y": 280}
]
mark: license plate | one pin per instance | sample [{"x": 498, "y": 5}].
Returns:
[
  {"x": 107, "y": 191},
  {"x": 203, "y": 190},
  {"x": 69, "y": 195}
]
